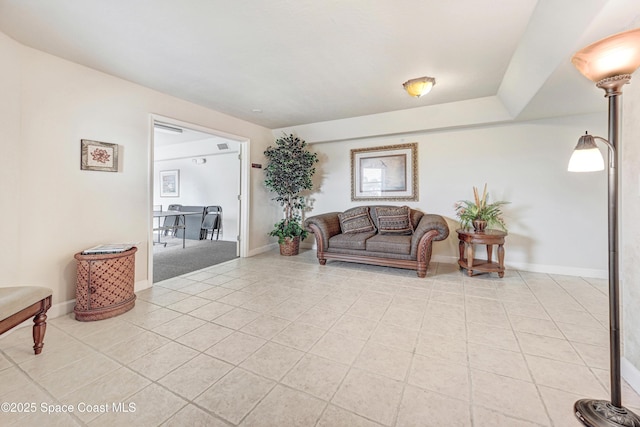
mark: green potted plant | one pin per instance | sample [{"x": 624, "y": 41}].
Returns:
[
  {"x": 288, "y": 173},
  {"x": 480, "y": 213}
]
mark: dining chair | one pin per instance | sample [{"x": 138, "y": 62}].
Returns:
[
  {"x": 212, "y": 221},
  {"x": 171, "y": 220},
  {"x": 157, "y": 208}
]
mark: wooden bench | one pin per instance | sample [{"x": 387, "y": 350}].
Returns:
[{"x": 19, "y": 303}]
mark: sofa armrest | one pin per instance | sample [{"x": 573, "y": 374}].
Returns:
[
  {"x": 323, "y": 227},
  {"x": 431, "y": 226}
]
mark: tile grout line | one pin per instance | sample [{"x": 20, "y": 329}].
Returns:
[{"x": 523, "y": 354}]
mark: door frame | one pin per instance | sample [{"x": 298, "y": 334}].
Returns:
[{"x": 243, "y": 190}]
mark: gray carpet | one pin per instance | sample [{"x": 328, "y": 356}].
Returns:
[{"x": 172, "y": 260}]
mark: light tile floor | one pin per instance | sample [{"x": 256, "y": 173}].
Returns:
[{"x": 283, "y": 341}]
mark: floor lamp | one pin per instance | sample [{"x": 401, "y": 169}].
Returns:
[{"x": 610, "y": 63}]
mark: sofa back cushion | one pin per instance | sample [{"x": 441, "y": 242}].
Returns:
[
  {"x": 415, "y": 217},
  {"x": 356, "y": 220},
  {"x": 394, "y": 220}
]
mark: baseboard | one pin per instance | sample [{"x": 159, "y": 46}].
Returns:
[
  {"x": 56, "y": 310},
  {"x": 533, "y": 268},
  {"x": 308, "y": 245},
  {"x": 263, "y": 249},
  {"x": 60, "y": 309},
  {"x": 444, "y": 259},
  {"x": 559, "y": 269},
  {"x": 66, "y": 307},
  {"x": 537, "y": 268},
  {"x": 141, "y": 285},
  {"x": 630, "y": 373}
]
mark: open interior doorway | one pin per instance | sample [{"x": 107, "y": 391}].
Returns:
[{"x": 196, "y": 197}]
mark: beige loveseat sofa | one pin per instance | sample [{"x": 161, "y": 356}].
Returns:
[{"x": 394, "y": 236}]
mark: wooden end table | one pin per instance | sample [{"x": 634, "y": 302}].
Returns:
[{"x": 469, "y": 238}]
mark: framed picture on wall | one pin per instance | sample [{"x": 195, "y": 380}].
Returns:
[
  {"x": 98, "y": 156},
  {"x": 170, "y": 183},
  {"x": 385, "y": 173}
]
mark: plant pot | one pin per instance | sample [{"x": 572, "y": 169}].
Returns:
[
  {"x": 290, "y": 246},
  {"x": 479, "y": 225}
]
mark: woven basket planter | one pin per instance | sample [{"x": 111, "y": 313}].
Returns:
[{"x": 290, "y": 246}]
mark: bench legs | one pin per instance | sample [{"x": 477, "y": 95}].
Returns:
[
  {"x": 40, "y": 324},
  {"x": 39, "y": 329},
  {"x": 39, "y": 312}
]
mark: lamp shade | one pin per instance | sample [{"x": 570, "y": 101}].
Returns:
[
  {"x": 420, "y": 86},
  {"x": 586, "y": 156},
  {"x": 612, "y": 56}
]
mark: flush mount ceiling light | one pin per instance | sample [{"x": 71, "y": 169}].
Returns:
[{"x": 420, "y": 86}]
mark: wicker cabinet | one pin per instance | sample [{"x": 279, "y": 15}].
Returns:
[{"x": 104, "y": 285}]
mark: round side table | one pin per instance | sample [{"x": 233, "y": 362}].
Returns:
[{"x": 469, "y": 238}]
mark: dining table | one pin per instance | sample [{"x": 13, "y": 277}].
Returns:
[{"x": 180, "y": 224}]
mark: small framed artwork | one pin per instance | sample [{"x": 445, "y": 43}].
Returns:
[
  {"x": 98, "y": 156},
  {"x": 170, "y": 183},
  {"x": 385, "y": 173}
]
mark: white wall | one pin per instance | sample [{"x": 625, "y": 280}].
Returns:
[
  {"x": 553, "y": 215},
  {"x": 215, "y": 182},
  {"x": 49, "y": 105},
  {"x": 10, "y": 194}
]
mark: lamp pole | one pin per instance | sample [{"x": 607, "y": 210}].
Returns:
[
  {"x": 613, "y": 92},
  {"x": 595, "y": 413}
]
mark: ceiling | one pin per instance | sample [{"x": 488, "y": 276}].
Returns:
[{"x": 281, "y": 63}]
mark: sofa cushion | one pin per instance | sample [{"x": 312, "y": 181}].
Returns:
[
  {"x": 388, "y": 243},
  {"x": 350, "y": 240},
  {"x": 356, "y": 220},
  {"x": 394, "y": 220}
]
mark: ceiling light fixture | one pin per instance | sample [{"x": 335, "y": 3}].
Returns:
[
  {"x": 420, "y": 86},
  {"x": 610, "y": 63},
  {"x": 166, "y": 128}
]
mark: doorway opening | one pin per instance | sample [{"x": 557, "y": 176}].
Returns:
[{"x": 198, "y": 188}]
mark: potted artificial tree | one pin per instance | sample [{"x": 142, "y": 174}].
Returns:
[{"x": 289, "y": 173}]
